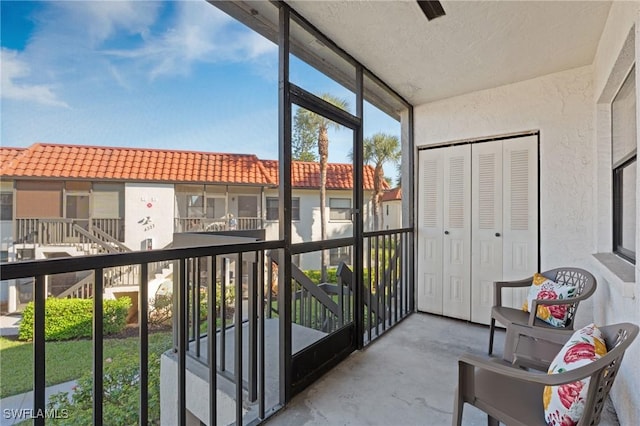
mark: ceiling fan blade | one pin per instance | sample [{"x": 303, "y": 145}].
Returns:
[{"x": 431, "y": 9}]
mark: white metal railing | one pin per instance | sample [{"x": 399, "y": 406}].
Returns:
[
  {"x": 60, "y": 231},
  {"x": 203, "y": 224}
]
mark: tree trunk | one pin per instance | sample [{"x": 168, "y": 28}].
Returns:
[
  {"x": 377, "y": 195},
  {"x": 323, "y": 153}
]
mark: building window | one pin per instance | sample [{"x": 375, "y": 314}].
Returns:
[
  {"x": 273, "y": 208},
  {"x": 78, "y": 206},
  {"x": 195, "y": 206},
  {"x": 340, "y": 209},
  {"x": 216, "y": 208},
  {"x": 625, "y": 166},
  {"x": 247, "y": 206},
  {"x": 6, "y": 206},
  {"x": 340, "y": 254}
]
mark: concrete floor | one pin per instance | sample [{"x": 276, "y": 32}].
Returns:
[{"x": 406, "y": 377}]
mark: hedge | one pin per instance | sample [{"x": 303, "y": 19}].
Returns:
[
  {"x": 315, "y": 274},
  {"x": 73, "y": 318}
]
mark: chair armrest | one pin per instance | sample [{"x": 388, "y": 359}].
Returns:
[
  {"x": 550, "y": 302},
  {"x": 568, "y": 301},
  {"x": 534, "y": 307},
  {"x": 499, "y": 285},
  {"x": 559, "y": 336},
  {"x": 533, "y": 347},
  {"x": 500, "y": 367}
]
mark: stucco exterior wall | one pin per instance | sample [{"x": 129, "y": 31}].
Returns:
[
  {"x": 149, "y": 213},
  {"x": 559, "y": 106},
  {"x": 616, "y": 300},
  {"x": 392, "y": 214},
  {"x": 308, "y": 227}
]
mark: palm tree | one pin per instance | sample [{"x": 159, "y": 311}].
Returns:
[
  {"x": 379, "y": 149},
  {"x": 306, "y": 122}
]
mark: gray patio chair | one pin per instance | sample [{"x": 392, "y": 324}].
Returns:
[
  {"x": 513, "y": 396},
  {"x": 585, "y": 282}
]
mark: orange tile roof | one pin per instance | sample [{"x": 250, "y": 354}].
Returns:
[
  {"x": 306, "y": 175},
  {"x": 136, "y": 164},
  {"x": 8, "y": 154},
  {"x": 392, "y": 194},
  {"x": 43, "y": 160}
]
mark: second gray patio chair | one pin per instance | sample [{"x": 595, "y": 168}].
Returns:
[
  {"x": 513, "y": 396},
  {"x": 586, "y": 286}
]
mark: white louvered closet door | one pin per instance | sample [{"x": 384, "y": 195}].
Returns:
[
  {"x": 456, "y": 250},
  {"x": 478, "y": 223},
  {"x": 430, "y": 230},
  {"x": 520, "y": 223},
  {"x": 486, "y": 225}
]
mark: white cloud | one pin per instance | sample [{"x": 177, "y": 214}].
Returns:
[
  {"x": 200, "y": 33},
  {"x": 13, "y": 70},
  {"x": 98, "y": 21},
  {"x": 78, "y": 46}
]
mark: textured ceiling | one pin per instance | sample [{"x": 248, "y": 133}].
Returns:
[{"x": 477, "y": 45}]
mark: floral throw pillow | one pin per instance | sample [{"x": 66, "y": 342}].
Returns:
[
  {"x": 564, "y": 404},
  {"x": 544, "y": 288}
]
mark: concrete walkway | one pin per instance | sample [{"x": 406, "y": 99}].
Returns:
[
  {"x": 14, "y": 408},
  {"x": 9, "y": 324}
]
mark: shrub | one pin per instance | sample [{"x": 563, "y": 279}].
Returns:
[
  {"x": 73, "y": 318},
  {"x": 121, "y": 390},
  {"x": 161, "y": 310},
  {"x": 230, "y": 296},
  {"x": 315, "y": 275}
]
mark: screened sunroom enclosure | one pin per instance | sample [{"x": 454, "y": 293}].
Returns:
[{"x": 244, "y": 342}]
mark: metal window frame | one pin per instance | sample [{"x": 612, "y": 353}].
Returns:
[
  {"x": 6, "y": 205},
  {"x": 617, "y": 187},
  {"x": 295, "y": 210},
  {"x": 290, "y": 94},
  {"x": 617, "y": 209},
  {"x": 341, "y": 210}
]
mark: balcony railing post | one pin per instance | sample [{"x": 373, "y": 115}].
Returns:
[
  {"x": 370, "y": 295},
  {"x": 39, "y": 365},
  {"x": 261, "y": 354},
  {"x": 269, "y": 288},
  {"x": 98, "y": 321},
  {"x": 253, "y": 329},
  {"x": 237, "y": 367},
  {"x": 182, "y": 343},
  {"x": 379, "y": 296},
  {"x": 143, "y": 317},
  {"x": 223, "y": 313},
  {"x": 212, "y": 263}
]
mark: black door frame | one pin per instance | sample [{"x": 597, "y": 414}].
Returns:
[{"x": 299, "y": 370}]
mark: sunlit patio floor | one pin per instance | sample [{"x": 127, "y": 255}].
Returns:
[{"x": 406, "y": 377}]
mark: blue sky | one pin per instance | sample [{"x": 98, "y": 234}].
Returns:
[{"x": 170, "y": 75}]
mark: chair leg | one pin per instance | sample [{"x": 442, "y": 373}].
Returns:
[
  {"x": 491, "y": 421},
  {"x": 492, "y": 329}
]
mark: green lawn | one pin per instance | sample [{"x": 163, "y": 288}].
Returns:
[{"x": 64, "y": 360}]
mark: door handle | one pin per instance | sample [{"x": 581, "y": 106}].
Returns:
[
  {"x": 497, "y": 234},
  {"x": 446, "y": 232}
]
